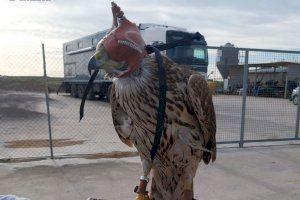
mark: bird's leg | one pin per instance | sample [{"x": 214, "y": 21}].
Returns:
[
  {"x": 144, "y": 179},
  {"x": 188, "y": 190},
  {"x": 143, "y": 185},
  {"x": 188, "y": 195}
]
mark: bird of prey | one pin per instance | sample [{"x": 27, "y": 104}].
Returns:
[{"x": 190, "y": 125}]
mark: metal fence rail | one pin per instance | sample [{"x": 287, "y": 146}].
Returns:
[{"x": 250, "y": 90}]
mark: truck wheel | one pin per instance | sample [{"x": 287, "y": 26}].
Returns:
[
  {"x": 74, "y": 92},
  {"x": 91, "y": 94},
  {"x": 80, "y": 90},
  {"x": 295, "y": 100},
  {"x": 108, "y": 94}
]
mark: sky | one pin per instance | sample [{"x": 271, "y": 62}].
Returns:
[{"x": 257, "y": 23}]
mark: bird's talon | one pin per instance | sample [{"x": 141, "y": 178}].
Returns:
[
  {"x": 142, "y": 197},
  {"x": 136, "y": 189}
]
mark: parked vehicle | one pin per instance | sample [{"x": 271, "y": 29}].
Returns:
[
  {"x": 270, "y": 89},
  {"x": 294, "y": 96},
  {"x": 77, "y": 53}
]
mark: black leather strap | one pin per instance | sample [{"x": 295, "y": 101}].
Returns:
[
  {"x": 160, "y": 121},
  {"x": 86, "y": 91}
]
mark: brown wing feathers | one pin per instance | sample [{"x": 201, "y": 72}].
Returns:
[{"x": 201, "y": 101}]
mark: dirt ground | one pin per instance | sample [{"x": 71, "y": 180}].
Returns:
[
  {"x": 24, "y": 126},
  {"x": 20, "y": 105}
]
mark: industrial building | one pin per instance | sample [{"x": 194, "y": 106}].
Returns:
[
  {"x": 281, "y": 77},
  {"x": 264, "y": 79}
]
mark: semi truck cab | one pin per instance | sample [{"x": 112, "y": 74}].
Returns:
[{"x": 194, "y": 55}]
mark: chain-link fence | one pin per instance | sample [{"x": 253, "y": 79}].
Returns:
[
  {"x": 251, "y": 89},
  {"x": 23, "y": 125}
]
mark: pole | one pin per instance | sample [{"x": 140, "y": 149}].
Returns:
[
  {"x": 245, "y": 88},
  {"x": 286, "y": 85},
  {"x": 47, "y": 101},
  {"x": 298, "y": 114}
]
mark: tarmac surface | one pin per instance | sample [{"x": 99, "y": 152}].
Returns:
[
  {"x": 256, "y": 173},
  {"x": 24, "y": 125}
]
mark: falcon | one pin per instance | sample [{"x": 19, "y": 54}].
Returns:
[{"x": 189, "y": 133}]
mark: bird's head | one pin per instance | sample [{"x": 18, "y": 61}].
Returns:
[{"x": 122, "y": 50}]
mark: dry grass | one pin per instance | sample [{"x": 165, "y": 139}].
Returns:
[
  {"x": 39, "y": 143},
  {"x": 114, "y": 154},
  {"x": 29, "y": 83}
]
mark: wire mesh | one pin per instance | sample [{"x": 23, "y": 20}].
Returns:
[
  {"x": 95, "y": 132},
  {"x": 23, "y": 126},
  {"x": 228, "y": 105},
  {"x": 270, "y": 115},
  {"x": 271, "y": 80}
]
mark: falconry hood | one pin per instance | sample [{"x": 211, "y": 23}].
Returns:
[{"x": 122, "y": 50}]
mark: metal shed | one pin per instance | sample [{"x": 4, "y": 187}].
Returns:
[{"x": 282, "y": 73}]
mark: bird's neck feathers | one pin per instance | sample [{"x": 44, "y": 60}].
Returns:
[{"x": 139, "y": 79}]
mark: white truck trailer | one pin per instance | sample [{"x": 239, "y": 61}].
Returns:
[{"x": 77, "y": 53}]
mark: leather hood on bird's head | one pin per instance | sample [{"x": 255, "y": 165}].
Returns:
[{"x": 124, "y": 41}]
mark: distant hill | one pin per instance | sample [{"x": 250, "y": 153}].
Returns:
[{"x": 29, "y": 83}]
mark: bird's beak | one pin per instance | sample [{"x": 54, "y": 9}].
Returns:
[
  {"x": 100, "y": 60},
  {"x": 92, "y": 64},
  {"x": 95, "y": 62}
]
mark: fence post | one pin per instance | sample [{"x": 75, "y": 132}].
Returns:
[
  {"x": 47, "y": 101},
  {"x": 298, "y": 114},
  {"x": 245, "y": 88}
]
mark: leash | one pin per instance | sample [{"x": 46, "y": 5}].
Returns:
[
  {"x": 160, "y": 121},
  {"x": 86, "y": 91},
  {"x": 163, "y": 85}
]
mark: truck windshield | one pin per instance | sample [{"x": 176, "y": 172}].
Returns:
[
  {"x": 189, "y": 55},
  {"x": 199, "y": 53},
  {"x": 193, "y": 52},
  {"x": 194, "y": 55}
]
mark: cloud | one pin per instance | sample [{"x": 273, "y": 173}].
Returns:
[{"x": 257, "y": 23}]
